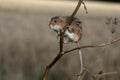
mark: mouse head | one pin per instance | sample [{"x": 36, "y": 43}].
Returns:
[{"x": 57, "y": 23}]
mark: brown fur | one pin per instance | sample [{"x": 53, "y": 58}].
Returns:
[{"x": 76, "y": 28}]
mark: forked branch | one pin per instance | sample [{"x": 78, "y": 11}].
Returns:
[
  {"x": 93, "y": 46},
  {"x": 60, "y": 54},
  {"x": 97, "y": 76}
]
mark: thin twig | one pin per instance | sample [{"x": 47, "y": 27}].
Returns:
[
  {"x": 98, "y": 76},
  {"x": 51, "y": 65},
  {"x": 61, "y": 40},
  {"x": 81, "y": 59},
  {"x": 108, "y": 73},
  {"x": 93, "y": 75},
  {"x": 93, "y": 46},
  {"x": 81, "y": 76},
  {"x": 77, "y": 8},
  {"x": 85, "y": 7}
]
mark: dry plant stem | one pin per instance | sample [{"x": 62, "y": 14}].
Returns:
[
  {"x": 61, "y": 40},
  {"x": 85, "y": 72},
  {"x": 97, "y": 77},
  {"x": 77, "y": 8},
  {"x": 51, "y": 65},
  {"x": 81, "y": 60},
  {"x": 85, "y": 7},
  {"x": 93, "y": 76},
  {"x": 81, "y": 76},
  {"x": 93, "y": 46},
  {"x": 56, "y": 58},
  {"x": 108, "y": 73},
  {"x": 61, "y": 43}
]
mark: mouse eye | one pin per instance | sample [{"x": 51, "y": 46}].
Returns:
[{"x": 55, "y": 21}]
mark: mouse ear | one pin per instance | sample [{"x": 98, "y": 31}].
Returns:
[
  {"x": 56, "y": 17},
  {"x": 62, "y": 18}
]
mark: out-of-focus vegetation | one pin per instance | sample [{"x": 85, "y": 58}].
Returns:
[
  {"x": 91, "y": 0},
  {"x": 109, "y": 0},
  {"x": 27, "y": 44}
]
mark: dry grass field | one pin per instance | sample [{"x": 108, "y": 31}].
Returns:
[{"x": 27, "y": 44}]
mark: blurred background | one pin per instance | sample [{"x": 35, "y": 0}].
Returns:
[{"x": 27, "y": 44}]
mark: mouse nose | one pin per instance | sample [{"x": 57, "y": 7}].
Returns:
[{"x": 51, "y": 25}]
